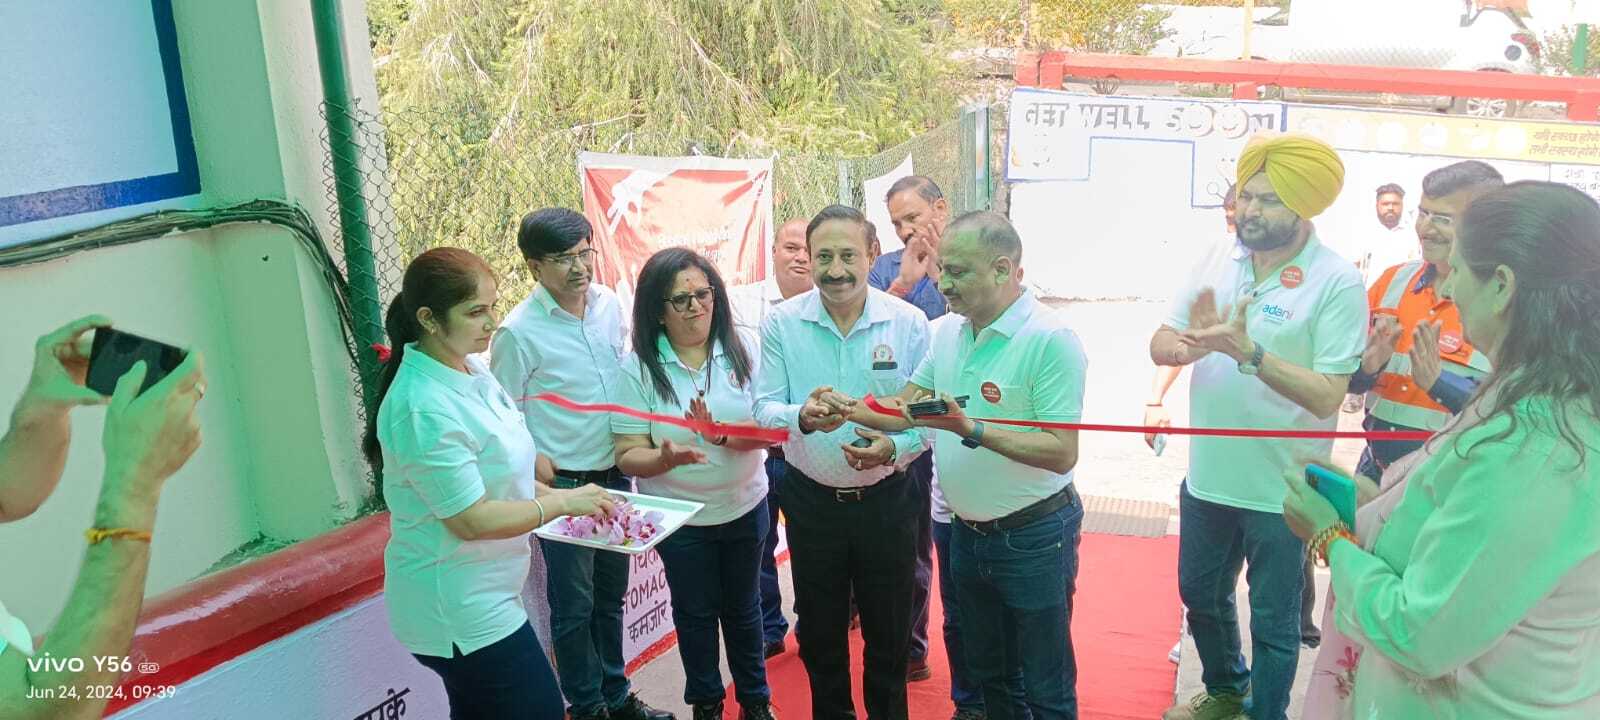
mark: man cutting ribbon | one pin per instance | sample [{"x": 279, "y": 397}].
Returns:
[{"x": 1274, "y": 325}]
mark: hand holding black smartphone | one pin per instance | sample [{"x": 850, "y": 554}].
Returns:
[
  {"x": 114, "y": 352},
  {"x": 927, "y": 408}
]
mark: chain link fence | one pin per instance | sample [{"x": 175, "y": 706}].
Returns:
[{"x": 465, "y": 179}]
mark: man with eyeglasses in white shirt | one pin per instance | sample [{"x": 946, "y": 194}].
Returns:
[{"x": 569, "y": 337}]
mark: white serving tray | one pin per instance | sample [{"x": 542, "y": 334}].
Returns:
[{"x": 675, "y": 514}]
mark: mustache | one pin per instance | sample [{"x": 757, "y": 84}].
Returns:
[{"x": 846, "y": 280}]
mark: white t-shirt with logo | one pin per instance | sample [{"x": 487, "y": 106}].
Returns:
[
  {"x": 730, "y": 482},
  {"x": 1026, "y": 365},
  {"x": 1312, "y": 313},
  {"x": 450, "y": 438}
]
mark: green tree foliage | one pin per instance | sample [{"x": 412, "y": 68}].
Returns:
[
  {"x": 1102, "y": 26},
  {"x": 487, "y": 102}
]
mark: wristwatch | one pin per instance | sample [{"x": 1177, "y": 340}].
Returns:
[
  {"x": 1253, "y": 365},
  {"x": 975, "y": 440}
]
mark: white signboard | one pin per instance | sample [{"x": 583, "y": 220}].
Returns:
[{"x": 1059, "y": 136}]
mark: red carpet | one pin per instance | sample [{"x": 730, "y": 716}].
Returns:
[{"x": 1126, "y": 618}]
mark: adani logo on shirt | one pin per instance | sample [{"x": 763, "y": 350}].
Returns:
[{"x": 1277, "y": 313}]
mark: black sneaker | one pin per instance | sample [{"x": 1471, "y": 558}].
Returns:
[
  {"x": 775, "y": 648},
  {"x": 634, "y": 709},
  {"x": 917, "y": 671},
  {"x": 969, "y": 714},
  {"x": 760, "y": 711},
  {"x": 708, "y": 711}
]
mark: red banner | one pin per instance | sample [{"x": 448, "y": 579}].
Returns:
[{"x": 717, "y": 207}]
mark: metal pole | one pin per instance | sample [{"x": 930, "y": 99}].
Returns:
[
  {"x": 1249, "y": 23},
  {"x": 1580, "y": 51},
  {"x": 363, "y": 277},
  {"x": 980, "y": 157},
  {"x": 847, "y": 194}
]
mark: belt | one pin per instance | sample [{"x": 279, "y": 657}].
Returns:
[
  {"x": 776, "y": 451},
  {"x": 850, "y": 495},
  {"x": 566, "y": 479},
  {"x": 1066, "y": 497}
]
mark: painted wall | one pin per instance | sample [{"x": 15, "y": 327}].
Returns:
[
  {"x": 1097, "y": 222},
  {"x": 280, "y": 458},
  {"x": 340, "y": 668}
]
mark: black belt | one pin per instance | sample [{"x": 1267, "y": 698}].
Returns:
[
  {"x": 776, "y": 451},
  {"x": 1066, "y": 497},
  {"x": 566, "y": 479},
  {"x": 850, "y": 495}
]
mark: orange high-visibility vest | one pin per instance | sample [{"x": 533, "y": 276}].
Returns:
[{"x": 1396, "y": 398}]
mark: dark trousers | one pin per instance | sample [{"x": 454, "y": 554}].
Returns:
[
  {"x": 508, "y": 679},
  {"x": 774, "y": 627},
  {"x": 1215, "y": 543},
  {"x": 839, "y": 543},
  {"x": 964, "y": 690},
  {"x": 1016, "y": 589},
  {"x": 920, "y": 471},
  {"x": 711, "y": 571},
  {"x": 585, "y": 589}
]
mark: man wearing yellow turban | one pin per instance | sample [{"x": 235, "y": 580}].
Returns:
[{"x": 1274, "y": 325}]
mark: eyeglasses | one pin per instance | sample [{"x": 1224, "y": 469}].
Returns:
[
  {"x": 1443, "y": 222},
  {"x": 680, "y": 302},
  {"x": 571, "y": 260}
]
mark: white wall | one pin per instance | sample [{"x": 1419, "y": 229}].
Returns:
[{"x": 280, "y": 457}]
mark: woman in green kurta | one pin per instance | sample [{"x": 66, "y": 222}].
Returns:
[{"x": 1480, "y": 595}]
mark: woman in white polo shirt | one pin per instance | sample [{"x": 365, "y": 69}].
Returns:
[
  {"x": 688, "y": 359},
  {"x": 458, "y": 476}
]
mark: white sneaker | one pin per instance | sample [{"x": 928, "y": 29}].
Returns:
[{"x": 1177, "y": 653}]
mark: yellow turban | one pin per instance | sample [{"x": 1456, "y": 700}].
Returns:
[{"x": 1305, "y": 172}]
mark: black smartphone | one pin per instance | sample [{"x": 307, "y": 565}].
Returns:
[
  {"x": 934, "y": 407},
  {"x": 114, "y": 352}
]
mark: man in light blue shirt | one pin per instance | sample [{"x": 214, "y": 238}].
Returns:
[{"x": 853, "y": 515}]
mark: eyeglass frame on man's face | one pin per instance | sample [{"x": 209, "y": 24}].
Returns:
[
  {"x": 706, "y": 296},
  {"x": 568, "y": 261},
  {"x": 1441, "y": 221}
]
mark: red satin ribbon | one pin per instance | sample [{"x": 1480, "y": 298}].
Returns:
[
  {"x": 878, "y": 407},
  {"x": 771, "y": 435}
]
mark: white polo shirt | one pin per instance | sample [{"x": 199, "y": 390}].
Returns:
[
  {"x": 448, "y": 439},
  {"x": 730, "y": 482},
  {"x": 752, "y": 301},
  {"x": 542, "y": 348},
  {"x": 1026, "y": 365},
  {"x": 1319, "y": 322},
  {"x": 802, "y": 350}
]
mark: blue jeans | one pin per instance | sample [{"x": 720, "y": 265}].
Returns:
[
  {"x": 1214, "y": 543},
  {"x": 509, "y": 678},
  {"x": 964, "y": 691},
  {"x": 921, "y": 471},
  {"x": 585, "y": 589},
  {"x": 774, "y": 627},
  {"x": 711, "y": 572},
  {"x": 1016, "y": 590}
]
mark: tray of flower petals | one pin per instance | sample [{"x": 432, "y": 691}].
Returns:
[{"x": 634, "y": 527}]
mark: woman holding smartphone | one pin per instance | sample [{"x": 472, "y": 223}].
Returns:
[{"x": 458, "y": 475}]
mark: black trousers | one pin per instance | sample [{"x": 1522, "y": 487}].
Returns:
[{"x": 866, "y": 544}]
